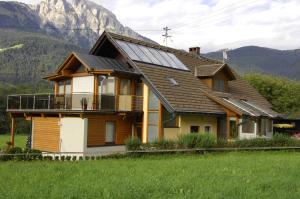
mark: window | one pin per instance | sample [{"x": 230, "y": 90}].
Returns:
[
  {"x": 169, "y": 120},
  {"x": 110, "y": 132},
  {"x": 248, "y": 126},
  {"x": 153, "y": 101},
  {"x": 219, "y": 85},
  {"x": 61, "y": 87},
  {"x": 194, "y": 129},
  {"x": 207, "y": 129},
  {"x": 139, "y": 89},
  {"x": 173, "y": 81},
  {"x": 68, "y": 88},
  {"x": 64, "y": 87},
  {"x": 125, "y": 85},
  {"x": 269, "y": 125},
  {"x": 107, "y": 86}
]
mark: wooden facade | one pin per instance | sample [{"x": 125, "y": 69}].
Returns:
[{"x": 96, "y": 129}]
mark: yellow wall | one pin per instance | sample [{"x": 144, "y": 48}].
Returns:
[
  {"x": 171, "y": 133},
  {"x": 186, "y": 121}
]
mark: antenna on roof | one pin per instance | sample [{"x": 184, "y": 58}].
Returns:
[
  {"x": 166, "y": 35},
  {"x": 225, "y": 56}
]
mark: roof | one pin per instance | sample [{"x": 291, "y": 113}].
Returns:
[
  {"x": 212, "y": 69},
  {"x": 191, "y": 94},
  {"x": 104, "y": 63},
  {"x": 184, "y": 97}
]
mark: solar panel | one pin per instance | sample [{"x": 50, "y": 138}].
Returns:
[
  {"x": 127, "y": 49},
  {"x": 151, "y": 55}
]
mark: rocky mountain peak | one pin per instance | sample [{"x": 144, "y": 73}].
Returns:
[{"x": 87, "y": 18}]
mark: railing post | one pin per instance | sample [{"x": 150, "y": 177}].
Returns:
[
  {"x": 7, "y": 101},
  {"x": 33, "y": 104},
  {"x": 49, "y": 101},
  {"x": 20, "y": 102},
  {"x": 65, "y": 102}
]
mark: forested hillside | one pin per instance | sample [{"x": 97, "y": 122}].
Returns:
[
  {"x": 283, "y": 93},
  {"x": 26, "y": 56},
  {"x": 247, "y": 59}
]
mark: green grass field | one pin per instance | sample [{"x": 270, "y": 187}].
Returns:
[
  {"x": 20, "y": 140},
  {"x": 224, "y": 175}
]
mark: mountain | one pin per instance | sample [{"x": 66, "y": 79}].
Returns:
[
  {"x": 35, "y": 39},
  {"x": 26, "y": 57},
  {"x": 78, "y": 21},
  {"x": 284, "y": 63}
]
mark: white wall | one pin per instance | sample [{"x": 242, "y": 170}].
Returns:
[
  {"x": 83, "y": 84},
  {"x": 72, "y": 134}
]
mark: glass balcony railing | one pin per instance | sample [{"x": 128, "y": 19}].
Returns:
[{"x": 76, "y": 101}]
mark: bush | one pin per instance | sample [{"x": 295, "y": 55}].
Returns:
[
  {"x": 284, "y": 140},
  {"x": 163, "y": 144},
  {"x": 87, "y": 157},
  {"x": 255, "y": 142},
  {"x": 62, "y": 158},
  {"x": 74, "y": 158},
  {"x": 68, "y": 158},
  {"x": 205, "y": 140},
  {"x": 196, "y": 140},
  {"x": 56, "y": 158},
  {"x": 133, "y": 143},
  {"x": 80, "y": 158},
  {"x": 222, "y": 143},
  {"x": 187, "y": 140}
]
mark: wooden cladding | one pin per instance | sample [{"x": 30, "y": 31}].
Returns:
[
  {"x": 46, "y": 134},
  {"x": 96, "y": 129}
]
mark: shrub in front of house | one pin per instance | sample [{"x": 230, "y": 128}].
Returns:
[
  {"x": 17, "y": 153},
  {"x": 206, "y": 140},
  {"x": 255, "y": 142},
  {"x": 222, "y": 143},
  {"x": 187, "y": 141},
  {"x": 133, "y": 143},
  {"x": 284, "y": 140},
  {"x": 163, "y": 144},
  {"x": 196, "y": 140}
]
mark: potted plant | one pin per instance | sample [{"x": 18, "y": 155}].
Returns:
[{"x": 84, "y": 103}]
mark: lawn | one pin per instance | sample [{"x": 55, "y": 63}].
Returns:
[
  {"x": 222, "y": 175},
  {"x": 20, "y": 140}
]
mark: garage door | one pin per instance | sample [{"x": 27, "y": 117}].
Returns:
[{"x": 46, "y": 134}]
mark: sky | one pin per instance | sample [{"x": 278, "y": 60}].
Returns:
[{"x": 212, "y": 24}]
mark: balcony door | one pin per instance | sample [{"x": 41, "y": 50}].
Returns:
[
  {"x": 83, "y": 92},
  {"x": 106, "y": 89},
  {"x": 125, "y": 97}
]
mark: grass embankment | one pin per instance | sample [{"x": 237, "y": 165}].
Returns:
[
  {"x": 20, "y": 140},
  {"x": 224, "y": 175}
]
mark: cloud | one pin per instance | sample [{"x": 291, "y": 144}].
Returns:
[{"x": 214, "y": 24}]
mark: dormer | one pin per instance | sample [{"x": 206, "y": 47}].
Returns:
[{"x": 215, "y": 76}]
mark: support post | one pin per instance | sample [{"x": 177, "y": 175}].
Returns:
[{"x": 12, "y": 131}]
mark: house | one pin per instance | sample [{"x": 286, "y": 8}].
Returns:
[{"x": 126, "y": 87}]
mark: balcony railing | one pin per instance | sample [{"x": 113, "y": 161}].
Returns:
[{"x": 78, "y": 101}]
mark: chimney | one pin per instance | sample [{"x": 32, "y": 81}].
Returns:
[{"x": 195, "y": 50}]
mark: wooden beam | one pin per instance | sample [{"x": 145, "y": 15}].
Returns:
[{"x": 12, "y": 131}]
